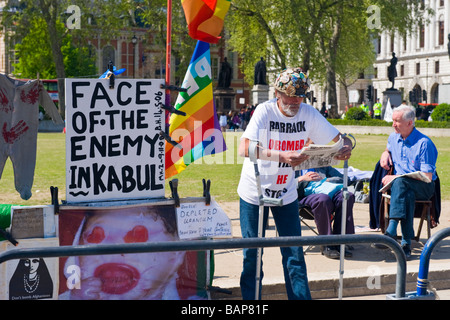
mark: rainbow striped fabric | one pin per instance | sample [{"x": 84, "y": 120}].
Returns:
[
  {"x": 198, "y": 133},
  {"x": 205, "y": 18}
]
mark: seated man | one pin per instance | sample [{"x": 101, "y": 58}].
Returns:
[
  {"x": 324, "y": 200},
  {"x": 407, "y": 150}
]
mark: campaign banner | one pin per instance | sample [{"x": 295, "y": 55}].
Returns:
[
  {"x": 113, "y": 147},
  {"x": 131, "y": 276}
]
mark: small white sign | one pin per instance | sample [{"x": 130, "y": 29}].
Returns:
[
  {"x": 353, "y": 96},
  {"x": 33, "y": 222},
  {"x": 198, "y": 220}
]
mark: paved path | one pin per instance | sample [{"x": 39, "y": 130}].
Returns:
[{"x": 370, "y": 273}]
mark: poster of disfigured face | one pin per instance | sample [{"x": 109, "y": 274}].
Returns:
[{"x": 131, "y": 276}]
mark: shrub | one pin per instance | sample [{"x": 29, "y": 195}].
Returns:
[
  {"x": 356, "y": 113},
  {"x": 382, "y": 123},
  {"x": 441, "y": 112}
]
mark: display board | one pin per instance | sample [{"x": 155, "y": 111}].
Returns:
[
  {"x": 140, "y": 276},
  {"x": 113, "y": 147}
]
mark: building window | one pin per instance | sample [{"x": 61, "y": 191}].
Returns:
[
  {"x": 441, "y": 3},
  {"x": 215, "y": 68},
  {"x": 417, "y": 68},
  {"x": 375, "y": 73},
  {"x": 402, "y": 70},
  {"x": 392, "y": 43},
  {"x": 441, "y": 33},
  {"x": 436, "y": 66},
  {"x": 422, "y": 36},
  {"x": 108, "y": 55},
  {"x": 361, "y": 96}
]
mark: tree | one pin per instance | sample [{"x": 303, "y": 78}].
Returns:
[
  {"x": 101, "y": 17},
  {"x": 352, "y": 61},
  {"x": 154, "y": 14},
  {"x": 315, "y": 34},
  {"x": 35, "y": 56}
]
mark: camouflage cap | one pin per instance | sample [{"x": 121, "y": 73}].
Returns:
[{"x": 293, "y": 82}]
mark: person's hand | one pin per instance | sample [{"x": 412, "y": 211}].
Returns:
[
  {"x": 310, "y": 176},
  {"x": 388, "y": 178},
  {"x": 345, "y": 153},
  {"x": 385, "y": 160},
  {"x": 293, "y": 158}
]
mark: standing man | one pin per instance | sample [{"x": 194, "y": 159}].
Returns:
[
  {"x": 364, "y": 107},
  {"x": 377, "y": 109},
  {"x": 281, "y": 127},
  {"x": 407, "y": 150}
]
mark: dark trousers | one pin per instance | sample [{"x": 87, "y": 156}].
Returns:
[{"x": 323, "y": 207}]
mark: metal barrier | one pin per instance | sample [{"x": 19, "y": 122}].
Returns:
[
  {"x": 422, "y": 278},
  {"x": 197, "y": 245}
]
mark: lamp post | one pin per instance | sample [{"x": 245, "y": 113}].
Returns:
[
  {"x": 426, "y": 85},
  {"x": 134, "y": 41}
]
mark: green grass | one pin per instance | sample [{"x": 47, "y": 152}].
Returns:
[
  {"x": 50, "y": 171},
  {"x": 222, "y": 169}
]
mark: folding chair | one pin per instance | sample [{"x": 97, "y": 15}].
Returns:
[
  {"x": 305, "y": 213},
  {"x": 428, "y": 210},
  {"x": 422, "y": 211}
]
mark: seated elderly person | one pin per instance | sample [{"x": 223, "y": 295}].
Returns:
[
  {"x": 321, "y": 190},
  {"x": 407, "y": 151}
]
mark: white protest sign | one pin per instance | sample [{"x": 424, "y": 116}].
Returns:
[
  {"x": 198, "y": 220},
  {"x": 113, "y": 147}
]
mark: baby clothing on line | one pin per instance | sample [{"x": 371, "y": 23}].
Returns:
[{"x": 19, "y": 121}]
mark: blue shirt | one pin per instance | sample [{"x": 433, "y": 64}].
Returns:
[{"x": 415, "y": 153}]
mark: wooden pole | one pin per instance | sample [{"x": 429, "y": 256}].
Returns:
[{"x": 168, "y": 58}]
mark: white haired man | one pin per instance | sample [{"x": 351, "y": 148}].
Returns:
[
  {"x": 281, "y": 127},
  {"x": 407, "y": 150}
]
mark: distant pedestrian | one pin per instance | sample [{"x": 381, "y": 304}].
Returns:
[{"x": 223, "y": 122}]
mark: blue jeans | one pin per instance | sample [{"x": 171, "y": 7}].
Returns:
[
  {"x": 288, "y": 224},
  {"x": 404, "y": 193}
]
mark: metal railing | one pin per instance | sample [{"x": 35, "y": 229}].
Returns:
[
  {"x": 198, "y": 245},
  {"x": 422, "y": 277}
]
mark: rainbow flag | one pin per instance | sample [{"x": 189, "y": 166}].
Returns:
[
  {"x": 198, "y": 133},
  {"x": 205, "y": 18}
]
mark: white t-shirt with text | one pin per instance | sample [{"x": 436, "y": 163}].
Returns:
[{"x": 275, "y": 131}]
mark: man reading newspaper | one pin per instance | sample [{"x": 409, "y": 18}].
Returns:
[{"x": 408, "y": 151}]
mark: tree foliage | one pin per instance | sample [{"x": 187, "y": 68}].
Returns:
[
  {"x": 35, "y": 55},
  {"x": 98, "y": 17},
  {"x": 329, "y": 38}
]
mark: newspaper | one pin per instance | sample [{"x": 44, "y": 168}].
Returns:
[
  {"x": 320, "y": 155},
  {"x": 418, "y": 175}
]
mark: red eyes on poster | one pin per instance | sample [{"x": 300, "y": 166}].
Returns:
[{"x": 141, "y": 276}]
